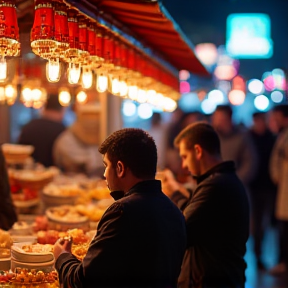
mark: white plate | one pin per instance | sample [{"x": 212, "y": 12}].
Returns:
[
  {"x": 65, "y": 219},
  {"x": 26, "y": 203},
  {"x": 20, "y": 255}
]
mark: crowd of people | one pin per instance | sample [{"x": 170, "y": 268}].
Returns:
[{"x": 221, "y": 182}]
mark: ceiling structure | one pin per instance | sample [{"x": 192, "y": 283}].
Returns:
[{"x": 146, "y": 24}]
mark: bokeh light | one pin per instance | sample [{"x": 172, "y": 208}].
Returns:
[
  {"x": 236, "y": 97},
  {"x": 207, "y": 53},
  {"x": 184, "y": 75},
  {"x": 129, "y": 108},
  {"x": 145, "y": 111},
  {"x": 261, "y": 102},
  {"x": 216, "y": 96},
  {"x": 208, "y": 106},
  {"x": 277, "y": 96},
  {"x": 256, "y": 86},
  {"x": 184, "y": 87}
]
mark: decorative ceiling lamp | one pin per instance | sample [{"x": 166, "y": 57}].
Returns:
[
  {"x": 61, "y": 37},
  {"x": 107, "y": 65},
  {"x": 77, "y": 52},
  {"x": 42, "y": 34},
  {"x": 92, "y": 62},
  {"x": 9, "y": 35},
  {"x": 131, "y": 74}
]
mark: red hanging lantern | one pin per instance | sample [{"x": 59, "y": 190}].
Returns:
[
  {"x": 75, "y": 54},
  {"x": 108, "y": 50},
  {"x": 123, "y": 55},
  {"x": 9, "y": 31},
  {"x": 83, "y": 33},
  {"x": 42, "y": 34},
  {"x": 93, "y": 60},
  {"x": 99, "y": 42},
  {"x": 61, "y": 34}
]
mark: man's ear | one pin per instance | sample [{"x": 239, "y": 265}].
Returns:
[
  {"x": 198, "y": 151},
  {"x": 120, "y": 169}
]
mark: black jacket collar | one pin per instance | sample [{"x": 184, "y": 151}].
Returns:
[
  {"x": 226, "y": 166},
  {"x": 143, "y": 186}
]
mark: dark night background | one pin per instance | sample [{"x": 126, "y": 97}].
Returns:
[{"x": 205, "y": 21}]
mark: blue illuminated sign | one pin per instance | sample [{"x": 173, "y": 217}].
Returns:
[{"x": 248, "y": 36}]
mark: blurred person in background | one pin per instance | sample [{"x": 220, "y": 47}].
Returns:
[
  {"x": 236, "y": 143},
  {"x": 76, "y": 149},
  {"x": 141, "y": 238},
  {"x": 8, "y": 214},
  {"x": 158, "y": 131},
  {"x": 42, "y": 132},
  {"x": 216, "y": 212},
  {"x": 262, "y": 190},
  {"x": 279, "y": 175}
]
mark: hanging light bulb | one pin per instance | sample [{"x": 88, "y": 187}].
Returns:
[
  {"x": 26, "y": 97},
  {"x": 53, "y": 70},
  {"x": 81, "y": 97},
  {"x": 3, "y": 69},
  {"x": 132, "y": 92},
  {"x": 87, "y": 78},
  {"x": 102, "y": 82},
  {"x": 123, "y": 88},
  {"x": 169, "y": 104},
  {"x": 10, "y": 94},
  {"x": 142, "y": 96},
  {"x": 115, "y": 86},
  {"x": 74, "y": 72},
  {"x": 151, "y": 95},
  {"x": 64, "y": 97}
]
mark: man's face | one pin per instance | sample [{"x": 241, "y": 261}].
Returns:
[
  {"x": 110, "y": 175},
  {"x": 189, "y": 159}
]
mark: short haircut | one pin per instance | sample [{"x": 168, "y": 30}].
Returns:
[
  {"x": 53, "y": 103},
  {"x": 135, "y": 148},
  {"x": 282, "y": 108},
  {"x": 202, "y": 134},
  {"x": 225, "y": 109}
]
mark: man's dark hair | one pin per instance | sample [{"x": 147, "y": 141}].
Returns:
[
  {"x": 282, "y": 108},
  {"x": 52, "y": 103},
  {"x": 135, "y": 148},
  {"x": 225, "y": 109},
  {"x": 202, "y": 134}
]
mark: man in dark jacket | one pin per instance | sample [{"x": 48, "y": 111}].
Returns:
[
  {"x": 216, "y": 214},
  {"x": 42, "y": 132},
  {"x": 141, "y": 238}
]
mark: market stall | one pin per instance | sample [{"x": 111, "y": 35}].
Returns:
[{"x": 129, "y": 49}]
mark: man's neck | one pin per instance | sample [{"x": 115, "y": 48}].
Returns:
[{"x": 209, "y": 162}]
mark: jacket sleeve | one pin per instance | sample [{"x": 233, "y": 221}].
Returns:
[
  {"x": 198, "y": 214},
  {"x": 95, "y": 265}
]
